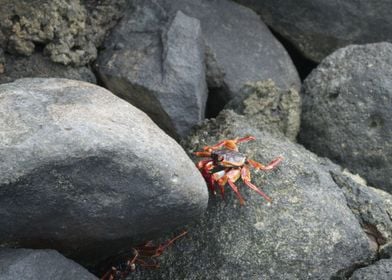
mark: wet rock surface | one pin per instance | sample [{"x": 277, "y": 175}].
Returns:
[
  {"x": 38, "y": 65},
  {"x": 318, "y": 28},
  {"x": 346, "y": 112},
  {"x": 157, "y": 64},
  {"x": 39, "y": 264},
  {"x": 307, "y": 232},
  {"x": 270, "y": 108},
  {"x": 86, "y": 173}
]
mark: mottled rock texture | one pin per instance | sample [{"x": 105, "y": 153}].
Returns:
[
  {"x": 86, "y": 173},
  {"x": 269, "y": 108},
  {"x": 38, "y": 65},
  {"x": 68, "y": 31},
  {"x": 318, "y": 27},
  {"x": 346, "y": 112},
  {"x": 381, "y": 270}
]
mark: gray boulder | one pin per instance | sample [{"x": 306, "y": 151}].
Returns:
[
  {"x": 370, "y": 206},
  {"x": 68, "y": 31},
  {"x": 38, "y": 65},
  {"x": 270, "y": 108},
  {"x": 240, "y": 47},
  {"x": 319, "y": 27},
  {"x": 381, "y": 270},
  {"x": 158, "y": 67},
  {"x": 86, "y": 173},
  {"x": 307, "y": 232},
  {"x": 30, "y": 264},
  {"x": 346, "y": 112}
]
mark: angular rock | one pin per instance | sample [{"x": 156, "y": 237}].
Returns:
[
  {"x": 318, "y": 27},
  {"x": 307, "y": 232},
  {"x": 159, "y": 70},
  {"x": 371, "y": 206},
  {"x": 69, "y": 31},
  {"x": 86, "y": 173},
  {"x": 270, "y": 108},
  {"x": 38, "y": 65},
  {"x": 346, "y": 112},
  {"x": 381, "y": 270},
  {"x": 240, "y": 47},
  {"x": 30, "y": 264}
]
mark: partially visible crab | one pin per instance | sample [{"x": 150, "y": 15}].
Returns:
[
  {"x": 144, "y": 255},
  {"x": 225, "y": 164}
]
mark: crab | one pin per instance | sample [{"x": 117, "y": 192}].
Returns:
[
  {"x": 144, "y": 255},
  {"x": 225, "y": 165}
]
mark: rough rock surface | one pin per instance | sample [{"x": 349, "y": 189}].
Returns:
[
  {"x": 346, "y": 112},
  {"x": 30, "y": 264},
  {"x": 2, "y": 61},
  {"x": 307, "y": 232},
  {"x": 86, "y": 173},
  {"x": 371, "y": 206},
  {"x": 240, "y": 47},
  {"x": 38, "y": 65},
  {"x": 319, "y": 27},
  {"x": 159, "y": 70},
  {"x": 68, "y": 31},
  {"x": 381, "y": 270},
  {"x": 268, "y": 107}
]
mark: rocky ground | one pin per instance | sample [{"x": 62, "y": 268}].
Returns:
[{"x": 103, "y": 104}]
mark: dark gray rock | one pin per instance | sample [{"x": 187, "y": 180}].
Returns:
[
  {"x": 346, "y": 112},
  {"x": 2, "y": 61},
  {"x": 86, "y": 173},
  {"x": 38, "y": 65},
  {"x": 318, "y": 27},
  {"x": 30, "y": 264},
  {"x": 159, "y": 70},
  {"x": 371, "y": 206},
  {"x": 270, "y": 108},
  {"x": 68, "y": 31},
  {"x": 307, "y": 232},
  {"x": 240, "y": 47},
  {"x": 381, "y": 270}
]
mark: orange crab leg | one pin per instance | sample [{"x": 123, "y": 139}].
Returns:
[
  {"x": 202, "y": 154},
  {"x": 267, "y": 167},
  {"x": 230, "y": 144},
  {"x": 245, "y": 176},
  {"x": 232, "y": 176}
]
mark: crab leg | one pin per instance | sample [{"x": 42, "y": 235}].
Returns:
[
  {"x": 231, "y": 177},
  {"x": 230, "y": 144},
  {"x": 245, "y": 176},
  {"x": 217, "y": 177},
  {"x": 162, "y": 247},
  {"x": 205, "y": 166},
  {"x": 267, "y": 167},
  {"x": 202, "y": 154}
]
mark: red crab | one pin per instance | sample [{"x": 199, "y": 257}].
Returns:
[
  {"x": 225, "y": 164},
  {"x": 144, "y": 255}
]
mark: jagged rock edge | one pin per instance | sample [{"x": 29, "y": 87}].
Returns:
[{"x": 347, "y": 272}]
